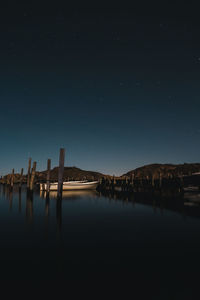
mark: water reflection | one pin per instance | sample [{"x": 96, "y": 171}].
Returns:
[
  {"x": 10, "y": 198},
  {"x": 29, "y": 208},
  {"x": 30, "y": 201},
  {"x": 47, "y": 207},
  {"x": 59, "y": 215},
  {"x": 70, "y": 194},
  {"x": 116, "y": 232},
  {"x": 186, "y": 205},
  {"x": 20, "y": 202}
]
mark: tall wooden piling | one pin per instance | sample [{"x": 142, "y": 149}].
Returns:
[
  {"x": 12, "y": 179},
  {"x": 29, "y": 174},
  {"x": 132, "y": 178},
  {"x": 33, "y": 176},
  {"x": 61, "y": 172},
  {"x": 8, "y": 179},
  {"x": 153, "y": 180},
  {"x": 21, "y": 178},
  {"x": 48, "y": 175}
]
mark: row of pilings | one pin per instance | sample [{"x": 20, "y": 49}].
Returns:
[
  {"x": 129, "y": 185},
  {"x": 29, "y": 179}
]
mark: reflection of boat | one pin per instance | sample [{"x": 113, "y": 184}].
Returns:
[
  {"x": 192, "y": 198},
  {"x": 73, "y": 194},
  {"x": 191, "y": 189},
  {"x": 71, "y": 185}
]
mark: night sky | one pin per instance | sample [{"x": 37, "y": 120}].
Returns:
[{"x": 118, "y": 88}]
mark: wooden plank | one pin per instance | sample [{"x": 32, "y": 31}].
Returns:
[{"x": 61, "y": 172}]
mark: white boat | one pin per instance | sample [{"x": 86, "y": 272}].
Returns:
[{"x": 71, "y": 185}]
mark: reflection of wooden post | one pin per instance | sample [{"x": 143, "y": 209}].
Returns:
[
  {"x": 12, "y": 179},
  {"x": 33, "y": 176},
  {"x": 48, "y": 175},
  {"x": 29, "y": 173},
  {"x": 21, "y": 179},
  {"x": 60, "y": 172},
  {"x": 47, "y": 207},
  {"x": 59, "y": 214},
  {"x": 29, "y": 208},
  {"x": 10, "y": 199},
  {"x": 20, "y": 201}
]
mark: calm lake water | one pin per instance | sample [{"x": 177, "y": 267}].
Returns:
[{"x": 97, "y": 245}]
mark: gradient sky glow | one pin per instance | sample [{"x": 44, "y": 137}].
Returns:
[{"x": 116, "y": 88}]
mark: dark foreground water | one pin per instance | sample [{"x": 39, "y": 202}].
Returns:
[{"x": 142, "y": 247}]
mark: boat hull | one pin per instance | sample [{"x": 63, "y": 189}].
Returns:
[{"x": 71, "y": 186}]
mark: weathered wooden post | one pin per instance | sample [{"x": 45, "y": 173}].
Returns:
[
  {"x": 181, "y": 179},
  {"x": 21, "y": 178},
  {"x": 141, "y": 181},
  {"x": 61, "y": 172},
  {"x": 33, "y": 176},
  {"x": 12, "y": 179},
  {"x": 8, "y": 179},
  {"x": 29, "y": 174},
  {"x": 153, "y": 180},
  {"x": 132, "y": 178},
  {"x": 48, "y": 176}
]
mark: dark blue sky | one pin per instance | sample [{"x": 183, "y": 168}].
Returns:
[{"x": 117, "y": 88}]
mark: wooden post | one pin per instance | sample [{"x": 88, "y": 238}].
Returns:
[
  {"x": 141, "y": 181},
  {"x": 60, "y": 172},
  {"x": 21, "y": 179},
  {"x": 8, "y": 179},
  {"x": 12, "y": 179},
  {"x": 132, "y": 178},
  {"x": 29, "y": 174},
  {"x": 153, "y": 180},
  {"x": 181, "y": 180},
  {"x": 160, "y": 180},
  {"x": 33, "y": 176},
  {"x": 48, "y": 176}
]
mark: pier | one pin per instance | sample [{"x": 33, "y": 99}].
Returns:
[{"x": 156, "y": 182}]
